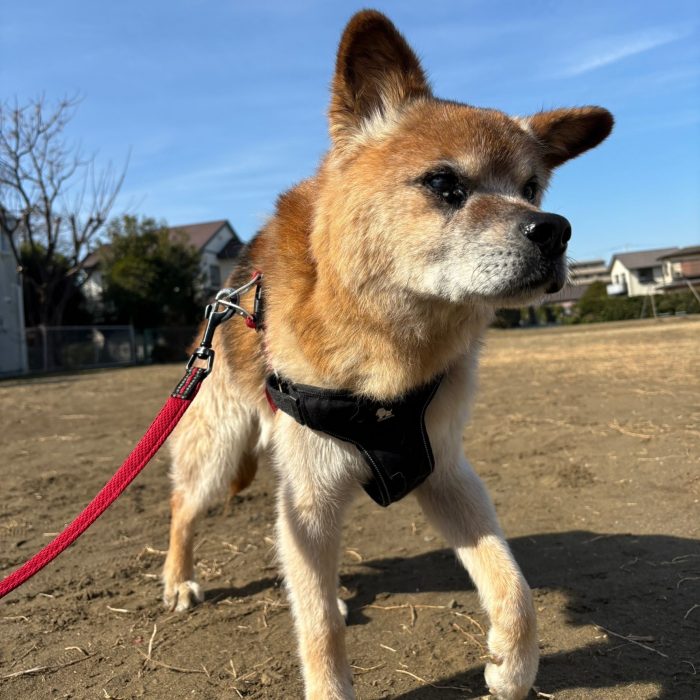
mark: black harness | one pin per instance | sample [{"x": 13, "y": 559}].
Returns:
[{"x": 391, "y": 436}]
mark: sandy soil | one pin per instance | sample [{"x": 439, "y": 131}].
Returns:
[{"x": 587, "y": 437}]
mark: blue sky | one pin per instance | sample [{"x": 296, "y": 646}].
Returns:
[{"x": 222, "y": 104}]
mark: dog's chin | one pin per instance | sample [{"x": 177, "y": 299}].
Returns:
[
  {"x": 554, "y": 286},
  {"x": 521, "y": 292}
]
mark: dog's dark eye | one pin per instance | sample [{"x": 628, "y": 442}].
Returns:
[
  {"x": 447, "y": 186},
  {"x": 530, "y": 191}
]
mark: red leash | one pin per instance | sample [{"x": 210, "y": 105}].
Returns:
[
  {"x": 164, "y": 423},
  {"x": 149, "y": 444}
]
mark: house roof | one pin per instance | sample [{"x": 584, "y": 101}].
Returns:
[
  {"x": 93, "y": 259},
  {"x": 680, "y": 254},
  {"x": 569, "y": 292},
  {"x": 642, "y": 258},
  {"x": 584, "y": 264},
  {"x": 201, "y": 234}
]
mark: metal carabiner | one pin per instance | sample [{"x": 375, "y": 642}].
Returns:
[{"x": 229, "y": 299}]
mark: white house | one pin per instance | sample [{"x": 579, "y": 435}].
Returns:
[
  {"x": 218, "y": 245},
  {"x": 638, "y": 274},
  {"x": 13, "y": 345}
]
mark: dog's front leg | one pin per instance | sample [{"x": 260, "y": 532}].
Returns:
[
  {"x": 456, "y": 501},
  {"x": 310, "y": 509}
]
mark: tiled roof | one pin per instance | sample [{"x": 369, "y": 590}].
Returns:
[
  {"x": 642, "y": 258},
  {"x": 569, "y": 292},
  {"x": 584, "y": 264},
  {"x": 680, "y": 254},
  {"x": 201, "y": 234},
  {"x": 93, "y": 259}
]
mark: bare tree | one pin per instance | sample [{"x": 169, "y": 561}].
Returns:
[{"x": 53, "y": 202}]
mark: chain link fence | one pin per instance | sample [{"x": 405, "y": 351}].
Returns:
[{"x": 56, "y": 348}]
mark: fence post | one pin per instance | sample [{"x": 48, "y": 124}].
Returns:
[
  {"x": 44, "y": 346},
  {"x": 95, "y": 346},
  {"x": 24, "y": 355},
  {"x": 132, "y": 343}
]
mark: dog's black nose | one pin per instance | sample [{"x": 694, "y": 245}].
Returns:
[{"x": 550, "y": 232}]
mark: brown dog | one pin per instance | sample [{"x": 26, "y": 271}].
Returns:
[{"x": 381, "y": 273}]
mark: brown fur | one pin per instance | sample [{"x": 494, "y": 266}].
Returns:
[{"x": 376, "y": 282}]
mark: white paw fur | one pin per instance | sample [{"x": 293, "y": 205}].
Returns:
[
  {"x": 343, "y": 607},
  {"x": 513, "y": 676},
  {"x": 183, "y": 596}
]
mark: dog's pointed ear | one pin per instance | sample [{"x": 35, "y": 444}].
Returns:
[
  {"x": 566, "y": 133},
  {"x": 376, "y": 72}
]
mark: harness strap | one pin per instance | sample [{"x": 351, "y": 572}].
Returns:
[
  {"x": 391, "y": 436},
  {"x": 282, "y": 395}
]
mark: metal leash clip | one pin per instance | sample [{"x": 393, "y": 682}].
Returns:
[
  {"x": 226, "y": 304},
  {"x": 231, "y": 298}
]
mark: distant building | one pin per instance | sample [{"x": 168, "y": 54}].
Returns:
[
  {"x": 638, "y": 274},
  {"x": 681, "y": 268},
  {"x": 216, "y": 241},
  {"x": 581, "y": 275},
  {"x": 93, "y": 285},
  {"x": 13, "y": 347},
  {"x": 588, "y": 271},
  {"x": 567, "y": 297},
  {"x": 219, "y": 247}
]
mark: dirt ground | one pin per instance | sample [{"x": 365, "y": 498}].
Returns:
[{"x": 587, "y": 438}]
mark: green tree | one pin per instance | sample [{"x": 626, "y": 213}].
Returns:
[
  {"x": 592, "y": 303},
  {"x": 151, "y": 276},
  {"x": 595, "y": 306},
  {"x": 32, "y": 260}
]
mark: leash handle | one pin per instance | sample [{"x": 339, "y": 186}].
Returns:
[{"x": 141, "y": 455}]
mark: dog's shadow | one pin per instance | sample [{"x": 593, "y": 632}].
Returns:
[
  {"x": 640, "y": 586},
  {"x": 643, "y": 587}
]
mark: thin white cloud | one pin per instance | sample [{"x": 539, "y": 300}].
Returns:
[
  {"x": 614, "y": 49},
  {"x": 243, "y": 167},
  {"x": 247, "y": 181}
]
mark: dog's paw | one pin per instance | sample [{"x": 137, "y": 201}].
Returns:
[
  {"x": 182, "y": 596},
  {"x": 515, "y": 656},
  {"x": 343, "y": 607},
  {"x": 510, "y": 677}
]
